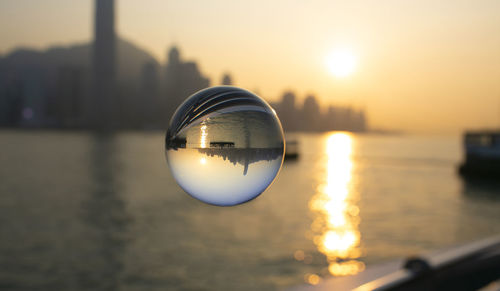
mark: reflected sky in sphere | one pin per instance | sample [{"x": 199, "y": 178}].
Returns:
[{"x": 224, "y": 145}]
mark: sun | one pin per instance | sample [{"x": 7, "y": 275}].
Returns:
[{"x": 341, "y": 63}]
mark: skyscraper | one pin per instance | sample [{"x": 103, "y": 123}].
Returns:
[
  {"x": 181, "y": 79},
  {"x": 103, "y": 66},
  {"x": 227, "y": 80}
]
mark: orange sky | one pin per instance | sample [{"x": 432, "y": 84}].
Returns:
[{"x": 423, "y": 66}]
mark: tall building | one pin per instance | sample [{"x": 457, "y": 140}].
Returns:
[
  {"x": 181, "y": 80},
  {"x": 311, "y": 115},
  {"x": 34, "y": 97},
  {"x": 149, "y": 90},
  {"x": 103, "y": 66},
  {"x": 69, "y": 96},
  {"x": 288, "y": 112},
  {"x": 227, "y": 80}
]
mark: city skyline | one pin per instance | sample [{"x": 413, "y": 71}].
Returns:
[
  {"x": 426, "y": 67},
  {"x": 111, "y": 84}
]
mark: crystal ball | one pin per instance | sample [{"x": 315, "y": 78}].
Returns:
[{"x": 224, "y": 145}]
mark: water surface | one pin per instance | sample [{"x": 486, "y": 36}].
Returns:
[{"x": 86, "y": 212}]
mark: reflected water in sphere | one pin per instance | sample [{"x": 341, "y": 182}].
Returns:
[{"x": 224, "y": 145}]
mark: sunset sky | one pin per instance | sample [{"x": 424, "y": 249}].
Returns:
[{"x": 421, "y": 66}]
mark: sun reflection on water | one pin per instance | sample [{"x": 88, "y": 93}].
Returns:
[
  {"x": 203, "y": 136},
  {"x": 337, "y": 216}
]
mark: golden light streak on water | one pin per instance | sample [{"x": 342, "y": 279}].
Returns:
[
  {"x": 335, "y": 227},
  {"x": 203, "y": 136}
]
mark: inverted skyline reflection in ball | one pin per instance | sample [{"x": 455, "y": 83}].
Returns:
[{"x": 224, "y": 145}]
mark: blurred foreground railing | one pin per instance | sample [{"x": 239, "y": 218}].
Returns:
[{"x": 467, "y": 267}]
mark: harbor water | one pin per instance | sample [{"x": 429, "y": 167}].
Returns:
[{"x": 80, "y": 211}]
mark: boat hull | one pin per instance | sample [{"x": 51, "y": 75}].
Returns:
[{"x": 482, "y": 154}]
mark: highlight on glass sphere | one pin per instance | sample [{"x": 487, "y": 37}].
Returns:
[{"x": 224, "y": 145}]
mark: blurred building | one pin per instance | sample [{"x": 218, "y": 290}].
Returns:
[
  {"x": 68, "y": 107},
  {"x": 113, "y": 84},
  {"x": 11, "y": 101},
  {"x": 34, "y": 97},
  {"x": 101, "y": 108},
  {"x": 181, "y": 80},
  {"x": 287, "y": 112},
  {"x": 227, "y": 80},
  {"x": 309, "y": 117},
  {"x": 149, "y": 94}
]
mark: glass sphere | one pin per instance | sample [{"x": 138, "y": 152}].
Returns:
[{"x": 224, "y": 145}]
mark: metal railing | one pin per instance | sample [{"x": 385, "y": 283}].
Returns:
[{"x": 467, "y": 267}]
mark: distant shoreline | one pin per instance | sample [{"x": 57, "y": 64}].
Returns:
[{"x": 78, "y": 129}]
